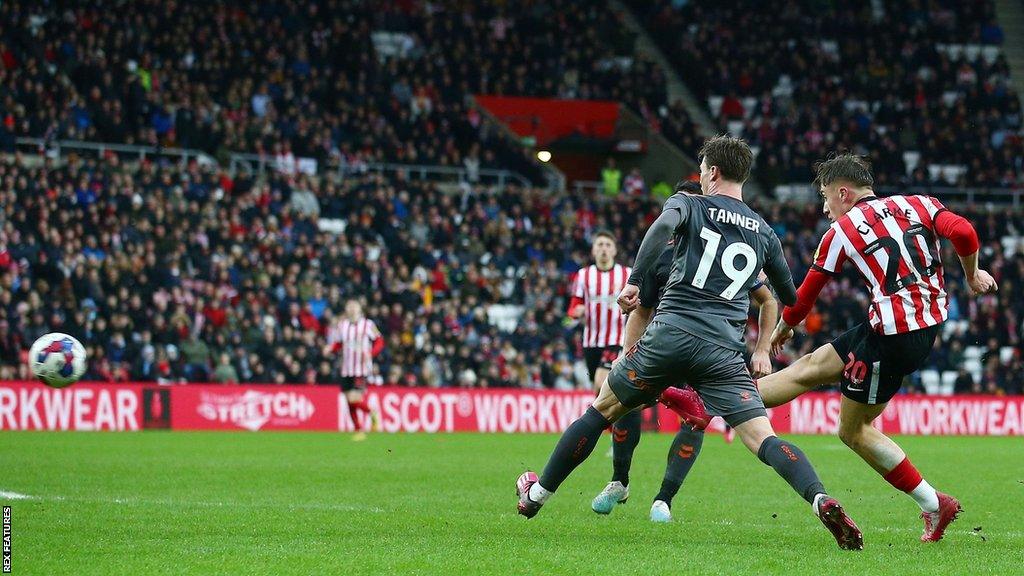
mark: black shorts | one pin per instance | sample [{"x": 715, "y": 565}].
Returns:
[
  {"x": 353, "y": 383},
  {"x": 600, "y": 358},
  {"x": 876, "y": 364}
]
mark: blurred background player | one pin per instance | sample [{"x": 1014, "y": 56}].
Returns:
[
  {"x": 893, "y": 242},
  {"x": 697, "y": 334},
  {"x": 687, "y": 442},
  {"x": 359, "y": 342},
  {"x": 593, "y": 300}
]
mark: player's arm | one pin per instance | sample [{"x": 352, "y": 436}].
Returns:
[
  {"x": 647, "y": 258},
  {"x": 641, "y": 316},
  {"x": 636, "y": 323},
  {"x": 965, "y": 241},
  {"x": 768, "y": 313},
  {"x": 333, "y": 345},
  {"x": 779, "y": 274},
  {"x": 828, "y": 260},
  {"x": 576, "y": 303},
  {"x": 377, "y": 339}
]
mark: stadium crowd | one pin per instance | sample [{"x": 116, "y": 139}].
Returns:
[
  {"x": 880, "y": 78},
  {"x": 343, "y": 82},
  {"x": 174, "y": 274}
]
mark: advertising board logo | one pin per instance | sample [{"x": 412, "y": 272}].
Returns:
[{"x": 253, "y": 410}]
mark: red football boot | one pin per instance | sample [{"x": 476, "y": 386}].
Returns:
[
  {"x": 687, "y": 404},
  {"x": 842, "y": 527},
  {"x": 935, "y": 523},
  {"x": 527, "y": 507}
]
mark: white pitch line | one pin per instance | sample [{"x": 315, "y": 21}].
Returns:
[
  {"x": 4, "y": 495},
  {"x": 205, "y": 504}
]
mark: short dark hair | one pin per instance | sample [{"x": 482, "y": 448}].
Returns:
[
  {"x": 603, "y": 234},
  {"x": 848, "y": 167},
  {"x": 732, "y": 156},
  {"x": 689, "y": 187}
]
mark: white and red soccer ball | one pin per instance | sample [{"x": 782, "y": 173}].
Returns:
[{"x": 57, "y": 359}]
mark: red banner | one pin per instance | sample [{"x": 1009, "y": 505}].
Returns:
[
  {"x": 204, "y": 407},
  {"x": 549, "y": 119},
  {"x": 490, "y": 410},
  {"x": 83, "y": 407},
  {"x": 501, "y": 410},
  {"x": 910, "y": 414}
]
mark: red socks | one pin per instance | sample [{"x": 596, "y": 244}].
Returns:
[
  {"x": 904, "y": 476},
  {"x": 354, "y": 410}
]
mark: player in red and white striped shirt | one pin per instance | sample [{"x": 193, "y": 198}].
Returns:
[
  {"x": 894, "y": 244},
  {"x": 359, "y": 342},
  {"x": 594, "y": 295}
]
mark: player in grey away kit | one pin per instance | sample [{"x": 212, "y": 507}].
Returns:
[
  {"x": 687, "y": 443},
  {"x": 697, "y": 334}
]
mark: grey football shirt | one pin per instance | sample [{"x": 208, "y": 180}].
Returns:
[{"x": 720, "y": 246}]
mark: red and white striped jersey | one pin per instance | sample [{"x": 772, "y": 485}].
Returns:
[
  {"x": 356, "y": 339},
  {"x": 893, "y": 244},
  {"x": 599, "y": 290}
]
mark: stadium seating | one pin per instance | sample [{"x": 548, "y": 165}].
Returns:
[
  {"x": 340, "y": 83},
  {"x": 926, "y": 94}
]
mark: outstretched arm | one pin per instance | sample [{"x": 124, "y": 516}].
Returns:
[
  {"x": 654, "y": 242},
  {"x": 647, "y": 258},
  {"x": 795, "y": 314},
  {"x": 965, "y": 241},
  {"x": 779, "y": 274},
  {"x": 828, "y": 260}
]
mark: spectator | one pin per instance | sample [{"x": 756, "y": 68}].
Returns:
[
  {"x": 634, "y": 183},
  {"x": 225, "y": 372},
  {"x": 611, "y": 178},
  {"x": 964, "y": 383},
  {"x": 196, "y": 354}
]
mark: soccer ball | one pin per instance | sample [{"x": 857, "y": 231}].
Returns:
[{"x": 57, "y": 359}]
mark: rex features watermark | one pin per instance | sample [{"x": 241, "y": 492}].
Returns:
[{"x": 7, "y": 540}]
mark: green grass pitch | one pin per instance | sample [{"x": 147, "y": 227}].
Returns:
[{"x": 296, "y": 503}]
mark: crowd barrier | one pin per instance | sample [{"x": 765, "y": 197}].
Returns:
[{"x": 128, "y": 407}]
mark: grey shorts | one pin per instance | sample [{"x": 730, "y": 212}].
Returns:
[{"x": 669, "y": 356}]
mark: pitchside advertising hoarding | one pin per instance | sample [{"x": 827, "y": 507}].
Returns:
[{"x": 128, "y": 407}]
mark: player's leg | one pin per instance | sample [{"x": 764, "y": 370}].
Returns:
[
  {"x": 575, "y": 445},
  {"x": 785, "y": 457},
  {"x": 891, "y": 462},
  {"x": 856, "y": 431},
  {"x": 592, "y": 360},
  {"x": 792, "y": 465},
  {"x": 625, "y": 430},
  {"x": 823, "y": 366},
  {"x": 600, "y": 375},
  {"x": 633, "y": 381},
  {"x": 725, "y": 385},
  {"x": 599, "y": 364},
  {"x": 682, "y": 455},
  {"x": 875, "y": 370},
  {"x": 625, "y": 437},
  {"x": 357, "y": 409}
]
